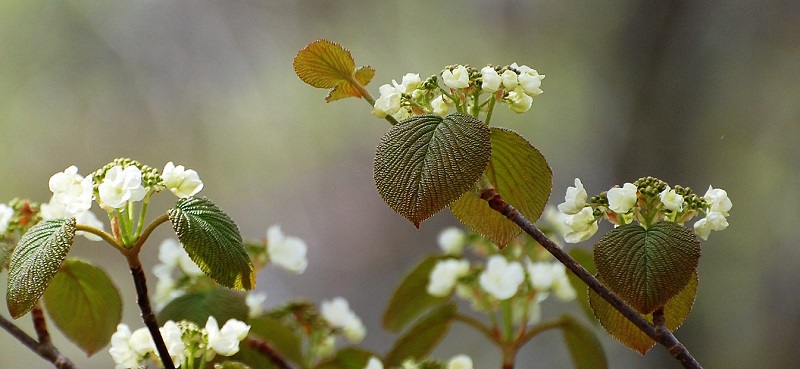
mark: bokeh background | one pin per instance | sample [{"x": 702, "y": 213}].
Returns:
[{"x": 693, "y": 92}]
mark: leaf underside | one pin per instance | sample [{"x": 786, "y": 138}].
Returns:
[
  {"x": 521, "y": 175},
  {"x": 675, "y": 312},
  {"x": 426, "y": 162},
  {"x": 84, "y": 304}
]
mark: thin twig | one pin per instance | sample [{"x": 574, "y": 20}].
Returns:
[
  {"x": 665, "y": 338},
  {"x": 148, "y": 317},
  {"x": 40, "y": 324},
  {"x": 46, "y": 350},
  {"x": 265, "y": 349}
]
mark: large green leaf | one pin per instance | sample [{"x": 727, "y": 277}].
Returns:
[
  {"x": 423, "y": 337},
  {"x": 347, "y": 358},
  {"x": 213, "y": 242},
  {"x": 35, "y": 262},
  {"x": 521, "y": 176},
  {"x": 647, "y": 267},
  {"x": 583, "y": 345},
  {"x": 221, "y": 303},
  {"x": 584, "y": 258},
  {"x": 282, "y": 338},
  {"x": 675, "y": 312},
  {"x": 426, "y": 162},
  {"x": 410, "y": 300},
  {"x": 84, "y": 304}
]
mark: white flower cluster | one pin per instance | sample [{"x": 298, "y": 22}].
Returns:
[
  {"x": 622, "y": 205},
  {"x": 183, "y": 340},
  {"x": 515, "y": 85},
  {"x": 499, "y": 280},
  {"x": 456, "y": 362},
  {"x": 175, "y": 266},
  {"x": 337, "y": 312}
]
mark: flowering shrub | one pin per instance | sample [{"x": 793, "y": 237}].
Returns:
[{"x": 441, "y": 151}]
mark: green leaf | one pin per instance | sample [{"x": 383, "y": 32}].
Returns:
[
  {"x": 219, "y": 302},
  {"x": 521, "y": 176},
  {"x": 326, "y": 64},
  {"x": 675, "y": 312},
  {"x": 347, "y": 358},
  {"x": 231, "y": 365},
  {"x": 647, "y": 267},
  {"x": 584, "y": 258},
  {"x": 423, "y": 337},
  {"x": 583, "y": 345},
  {"x": 35, "y": 262},
  {"x": 281, "y": 337},
  {"x": 426, "y": 162},
  {"x": 84, "y": 304},
  {"x": 213, "y": 242},
  {"x": 411, "y": 299}
]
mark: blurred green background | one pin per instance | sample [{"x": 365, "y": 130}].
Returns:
[{"x": 695, "y": 93}]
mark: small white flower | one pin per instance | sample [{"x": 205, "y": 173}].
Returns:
[
  {"x": 327, "y": 346},
  {"x": 374, "y": 363},
  {"x": 124, "y": 356},
  {"x": 714, "y": 221},
  {"x": 531, "y": 81},
  {"x": 142, "y": 342},
  {"x": 718, "y": 200},
  {"x": 582, "y": 224},
  {"x": 255, "y": 303},
  {"x": 337, "y": 312},
  {"x": 172, "y": 339},
  {"x": 501, "y": 279},
  {"x": 55, "y": 209},
  {"x": 460, "y": 362},
  {"x": 519, "y": 101},
  {"x": 451, "y": 240},
  {"x": 72, "y": 191},
  {"x": 6, "y": 213},
  {"x": 181, "y": 181},
  {"x": 285, "y": 251},
  {"x": 225, "y": 341},
  {"x": 166, "y": 290},
  {"x": 621, "y": 200},
  {"x": 458, "y": 77},
  {"x": 510, "y": 80},
  {"x": 120, "y": 186},
  {"x": 388, "y": 103},
  {"x": 562, "y": 288},
  {"x": 410, "y": 83},
  {"x": 172, "y": 253},
  {"x": 440, "y": 105},
  {"x": 671, "y": 199},
  {"x": 541, "y": 276},
  {"x": 491, "y": 80},
  {"x": 575, "y": 200},
  {"x": 445, "y": 275}
]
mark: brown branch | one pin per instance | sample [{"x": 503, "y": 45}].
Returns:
[
  {"x": 46, "y": 350},
  {"x": 40, "y": 324},
  {"x": 263, "y": 347},
  {"x": 148, "y": 317},
  {"x": 663, "y": 337}
]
